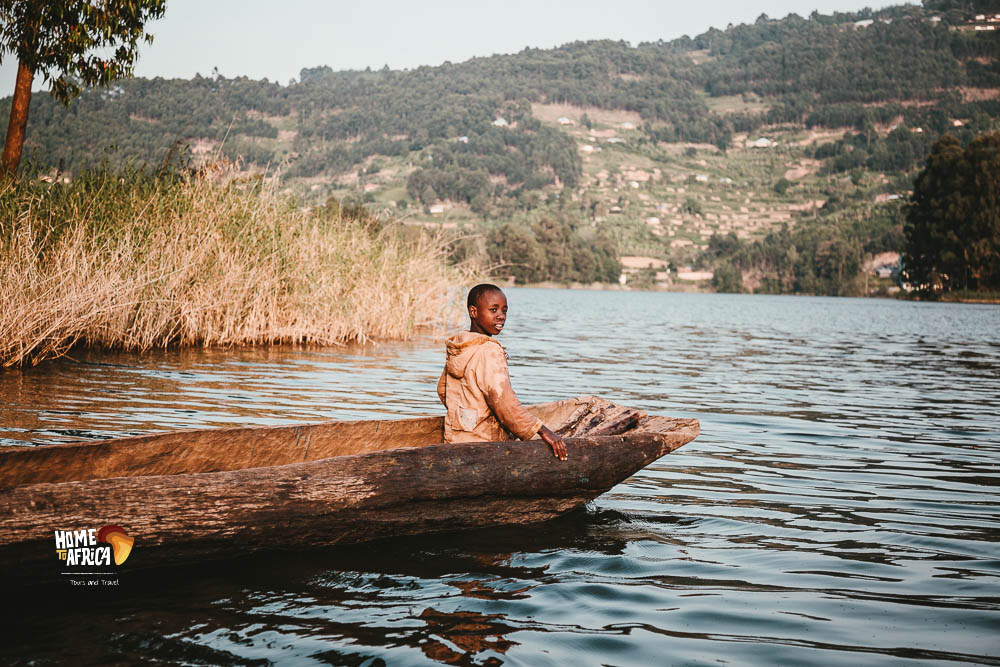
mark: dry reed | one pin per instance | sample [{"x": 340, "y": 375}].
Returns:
[{"x": 135, "y": 262}]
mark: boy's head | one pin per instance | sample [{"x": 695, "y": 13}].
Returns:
[{"x": 487, "y": 309}]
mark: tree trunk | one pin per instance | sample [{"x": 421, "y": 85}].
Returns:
[{"x": 18, "y": 121}]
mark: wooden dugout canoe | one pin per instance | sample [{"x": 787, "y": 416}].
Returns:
[{"x": 216, "y": 492}]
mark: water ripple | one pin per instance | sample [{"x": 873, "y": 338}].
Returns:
[{"x": 839, "y": 507}]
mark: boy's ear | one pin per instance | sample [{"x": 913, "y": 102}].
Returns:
[{"x": 473, "y": 312}]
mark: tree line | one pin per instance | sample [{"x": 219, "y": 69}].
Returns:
[
  {"x": 821, "y": 257},
  {"x": 948, "y": 231},
  {"x": 821, "y": 71},
  {"x": 468, "y": 130},
  {"x": 953, "y": 218},
  {"x": 552, "y": 249}
]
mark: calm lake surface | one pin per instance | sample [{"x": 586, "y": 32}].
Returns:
[{"x": 840, "y": 507}]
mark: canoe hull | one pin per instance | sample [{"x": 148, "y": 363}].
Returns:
[
  {"x": 166, "y": 547},
  {"x": 337, "y": 500}
]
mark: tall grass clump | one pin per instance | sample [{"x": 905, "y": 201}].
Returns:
[{"x": 131, "y": 260}]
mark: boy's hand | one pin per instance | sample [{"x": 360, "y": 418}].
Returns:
[{"x": 555, "y": 442}]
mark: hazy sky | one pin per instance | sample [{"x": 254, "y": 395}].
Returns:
[{"x": 276, "y": 39}]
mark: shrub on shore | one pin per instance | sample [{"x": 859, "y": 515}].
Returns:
[{"x": 131, "y": 260}]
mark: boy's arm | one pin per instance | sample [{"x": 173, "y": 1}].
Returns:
[
  {"x": 494, "y": 382},
  {"x": 441, "y": 387}
]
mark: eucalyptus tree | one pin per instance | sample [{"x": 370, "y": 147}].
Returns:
[{"x": 72, "y": 44}]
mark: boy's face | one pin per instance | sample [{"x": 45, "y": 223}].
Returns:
[{"x": 489, "y": 313}]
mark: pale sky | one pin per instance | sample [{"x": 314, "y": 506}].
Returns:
[{"x": 259, "y": 38}]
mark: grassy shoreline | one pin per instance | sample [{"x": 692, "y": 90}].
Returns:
[{"x": 134, "y": 261}]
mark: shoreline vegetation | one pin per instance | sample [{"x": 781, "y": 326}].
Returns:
[
  {"x": 132, "y": 260},
  {"x": 971, "y": 296},
  {"x": 851, "y": 154},
  {"x": 965, "y": 296}
]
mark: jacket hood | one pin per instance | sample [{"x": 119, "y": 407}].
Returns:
[{"x": 462, "y": 348}]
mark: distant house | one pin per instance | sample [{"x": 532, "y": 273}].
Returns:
[
  {"x": 615, "y": 140},
  {"x": 500, "y": 122},
  {"x": 882, "y": 198},
  {"x": 586, "y": 148},
  {"x": 762, "y": 142},
  {"x": 627, "y": 125},
  {"x": 701, "y": 178},
  {"x": 436, "y": 209},
  {"x": 863, "y": 24},
  {"x": 563, "y": 120},
  {"x": 463, "y": 139}
]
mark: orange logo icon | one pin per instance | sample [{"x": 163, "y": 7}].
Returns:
[{"x": 120, "y": 542}]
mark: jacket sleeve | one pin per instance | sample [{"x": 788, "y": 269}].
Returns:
[
  {"x": 441, "y": 387},
  {"x": 494, "y": 381}
]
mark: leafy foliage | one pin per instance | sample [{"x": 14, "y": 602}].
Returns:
[
  {"x": 822, "y": 71},
  {"x": 898, "y": 78},
  {"x": 817, "y": 258},
  {"x": 953, "y": 221},
  {"x": 552, "y": 250},
  {"x": 63, "y": 41}
]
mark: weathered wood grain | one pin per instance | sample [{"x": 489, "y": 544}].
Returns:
[{"x": 205, "y": 493}]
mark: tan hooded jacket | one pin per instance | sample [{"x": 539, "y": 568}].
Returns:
[{"x": 475, "y": 389}]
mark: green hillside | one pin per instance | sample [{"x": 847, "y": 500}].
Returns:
[{"x": 790, "y": 142}]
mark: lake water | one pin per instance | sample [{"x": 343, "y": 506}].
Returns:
[{"x": 840, "y": 507}]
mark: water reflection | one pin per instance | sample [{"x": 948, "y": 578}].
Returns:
[
  {"x": 90, "y": 396},
  {"x": 840, "y": 504},
  {"x": 462, "y": 636}
]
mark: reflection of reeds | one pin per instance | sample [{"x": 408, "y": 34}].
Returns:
[{"x": 134, "y": 262}]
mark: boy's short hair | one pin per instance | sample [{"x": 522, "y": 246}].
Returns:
[{"x": 478, "y": 291}]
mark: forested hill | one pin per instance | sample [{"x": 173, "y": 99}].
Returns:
[
  {"x": 602, "y": 149},
  {"x": 831, "y": 71}
]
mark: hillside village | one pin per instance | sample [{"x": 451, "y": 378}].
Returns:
[
  {"x": 800, "y": 134},
  {"x": 664, "y": 201}
]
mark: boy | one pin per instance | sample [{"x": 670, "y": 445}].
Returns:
[{"x": 475, "y": 386}]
